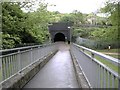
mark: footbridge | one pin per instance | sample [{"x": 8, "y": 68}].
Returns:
[{"x": 57, "y": 65}]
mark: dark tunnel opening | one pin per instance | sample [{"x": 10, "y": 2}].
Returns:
[{"x": 59, "y": 37}]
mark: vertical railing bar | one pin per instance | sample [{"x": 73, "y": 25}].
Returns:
[
  {"x": 119, "y": 84},
  {"x": 112, "y": 81},
  {"x": 104, "y": 78},
  {"x": 4, "y": 70},
  {"x": 98, "y": 82},
  {"x": 31, "y": 55},
  {"x": 19, "y": 58},
  {"x": 9, "y": 69},
  {"x": 101, "y": 76},
  {"x": 108, "y": 79},
  {"x": 44, "y": 50},
  {"x": 38, "y": 52},
  {"x": 28, "y": 57},
  {"x": 23, "y": 59},
  {"x": 1, "y": 67},
  {"x": 6, "y": 67},
  {"x": 23, "y": 62},
  {"x": 11, "y": 64},
  {"x": 94, "y": 83},
  {"x": 116, "y": 82},
  {"x": 16, "y": 62},
  {"x": 96, "y": 75},
  {"x": 15, "y": 69}
]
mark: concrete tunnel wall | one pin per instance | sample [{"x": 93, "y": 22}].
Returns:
[{"x": 63, "y": 28}]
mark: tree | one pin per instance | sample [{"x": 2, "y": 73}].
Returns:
[
  {"x": 112, "y": 9},
  {"x": 12, "y": 19},
  {"x": 19, "y": 27}
]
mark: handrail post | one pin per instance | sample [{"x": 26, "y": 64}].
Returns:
[
  {"x": 92, "y": 55},
  {"x": 1, "y": 70},
  {"x": 119, "y": 84},
  {"x": 19, "y": 60},
  {"x": 83, "y": 50},
  {"x": 38, "y": 52},
  {"x": 31, "y": 55}
]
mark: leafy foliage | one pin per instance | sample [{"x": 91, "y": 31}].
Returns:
[{"x": 21, "y": 28}]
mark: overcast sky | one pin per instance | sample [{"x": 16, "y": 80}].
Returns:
[{"x": 67, "y": 6}]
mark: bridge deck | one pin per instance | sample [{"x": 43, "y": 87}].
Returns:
[{"x": 57, "y": 73}]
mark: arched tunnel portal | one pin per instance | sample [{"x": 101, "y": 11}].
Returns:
[{"x": 59, "y": 37}]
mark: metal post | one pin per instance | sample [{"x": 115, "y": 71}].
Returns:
[
  {"x": 31, "y": 55},
  {"x": 83, "y": 50},
  {"x": 9, "y": 69},
  {"x": 38, "y": 52},
  {"x": 103, "y": 77},
  {"x": 104, "y": 71},
  {"x": 19, "y": 60},
  {"x": 92, "y": 55},
  {"x": 119, "y": 84},
  {"x": 99, "y": 76},
  {"x": 108, "y": 80},
  {"x": 113, "y": 81},
  {"x": 1, "y": 70}
]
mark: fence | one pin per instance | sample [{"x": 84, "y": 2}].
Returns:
[
  {"x": 13, "y": 61},
  {"x": 97, "y": 74}
]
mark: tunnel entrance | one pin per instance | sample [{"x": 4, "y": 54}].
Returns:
[{"x": 59, "y": 37}]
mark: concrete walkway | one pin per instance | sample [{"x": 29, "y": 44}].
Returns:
[{"x": 57, "y": 73}]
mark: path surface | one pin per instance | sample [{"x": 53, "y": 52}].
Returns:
[
  {"x": 110, "y": 53},
  {"x": 57, "y": 73}
]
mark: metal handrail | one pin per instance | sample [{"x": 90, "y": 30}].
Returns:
[
  {"x": 21, "y": 48},
  {"x": 98, "y": 74},
  {"x": 16, "y": 59},
  {"x": 108, "y": 58}
]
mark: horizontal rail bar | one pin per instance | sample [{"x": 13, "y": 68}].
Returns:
[
  {"x": 109, "y": 58},
  {"x": 22, "y": 48},
  {"x": 98, "y": 74}
]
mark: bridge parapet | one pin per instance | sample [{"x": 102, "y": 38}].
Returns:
[{"x": 97, "y": 74}]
